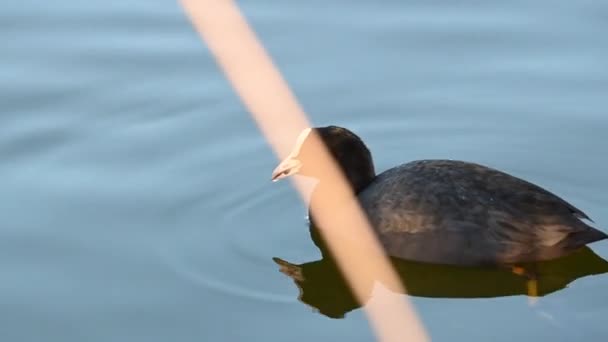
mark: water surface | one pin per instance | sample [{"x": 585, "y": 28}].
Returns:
[{"x": 136, "y": 203}]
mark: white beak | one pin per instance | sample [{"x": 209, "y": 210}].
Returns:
[
  {"x": 291, "y": 165},
  {"x": 286, "y": 168}
]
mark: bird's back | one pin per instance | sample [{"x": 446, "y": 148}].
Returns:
[{"x": 456, "y": 212}]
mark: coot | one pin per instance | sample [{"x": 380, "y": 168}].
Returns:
[{"x": 448, "y": 211}]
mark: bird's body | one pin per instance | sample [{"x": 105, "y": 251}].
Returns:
[
  {"x": 457, "y": 212},
  {"x": 451, "y": 212}
]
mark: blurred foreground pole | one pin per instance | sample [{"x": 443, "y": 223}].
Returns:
[{"x": 280, "y": 118}]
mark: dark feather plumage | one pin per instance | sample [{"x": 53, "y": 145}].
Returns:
[{"x": 441, "y": 210}]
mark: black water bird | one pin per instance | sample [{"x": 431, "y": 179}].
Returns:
[{"x": 446, "y": 211}]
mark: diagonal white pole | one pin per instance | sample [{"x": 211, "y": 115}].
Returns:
[{"x": 280, "y": 118}]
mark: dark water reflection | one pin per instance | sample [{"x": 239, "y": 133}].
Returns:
[{"x": 322, "y": 286}]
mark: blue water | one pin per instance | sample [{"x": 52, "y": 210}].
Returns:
[{"x": 134, "y": 188}]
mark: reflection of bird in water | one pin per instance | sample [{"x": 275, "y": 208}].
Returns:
[
  {"x": 443, "y": 211},
  {"x": 322, "y": 286}
]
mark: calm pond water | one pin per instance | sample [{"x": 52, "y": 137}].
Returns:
[{"x": 135, "y": 195}]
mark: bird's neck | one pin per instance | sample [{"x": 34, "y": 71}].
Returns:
[
  {"x": 359, "y": 174},
  {"x": 359, "y": 180},
  {"x": 356, "y": 181}
]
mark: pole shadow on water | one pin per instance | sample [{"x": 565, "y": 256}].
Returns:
[{"x": 322, "y": 286}]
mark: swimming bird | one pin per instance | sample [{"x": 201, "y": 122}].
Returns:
[{"x": 446, "y": 211}]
